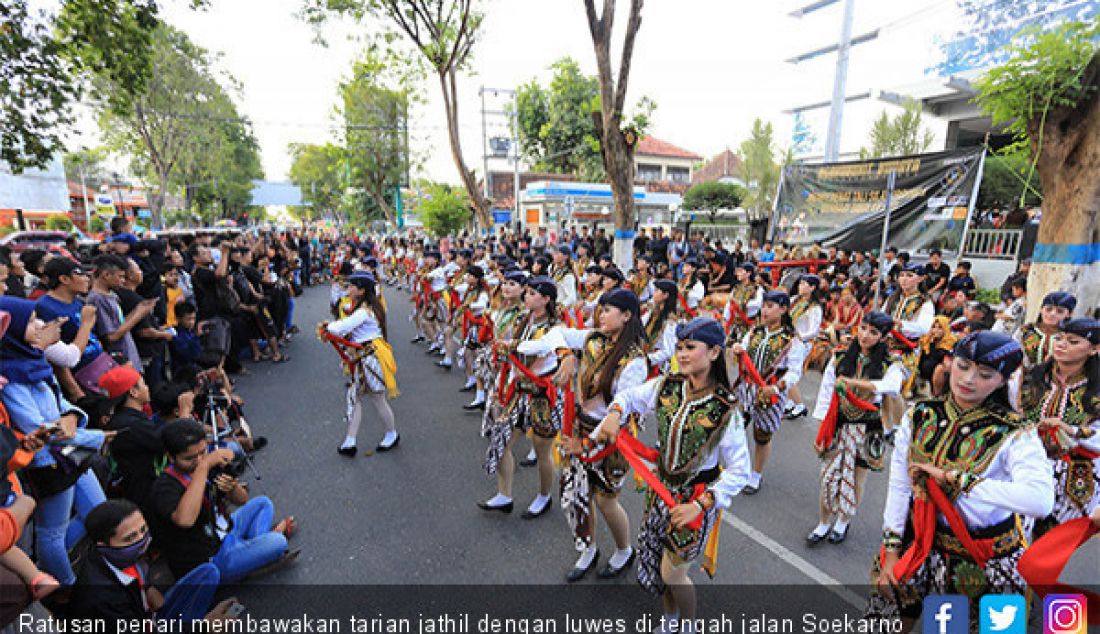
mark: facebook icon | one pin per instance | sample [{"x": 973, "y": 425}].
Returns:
[{"x": 945, "y": 614}]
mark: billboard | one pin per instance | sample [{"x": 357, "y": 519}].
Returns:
[
  {"x": 844, "y": 204},
  {"x": 35, "y": 190}
]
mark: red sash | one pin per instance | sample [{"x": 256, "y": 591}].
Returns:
[
  {"x": 735, "y": 311},
  {"x": 827, "y": 430},
  {"x": 924, "y": 529},
  {"x": 748, "y": 369},
  {"x": 903, "y": 340},
  {"x": 505, "y": 394},
  {"x": 1043, "y": 562},
  {"x": 635, "y": 452},
  {"x": 484, "y": 326},
  {"x": 687, "y": 310}
]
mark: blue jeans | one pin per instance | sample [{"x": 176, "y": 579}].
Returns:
[
  {"x": 55, "y": 532},
  {"x": 251, "y": 544},
  {"x": 290, "y": 313},
  {"x": 192, "y": 595}
]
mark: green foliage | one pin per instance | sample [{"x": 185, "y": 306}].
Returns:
[
  {"x": 90, "y": 162},
  {"x": 991, "y": 296},
  {"x": 714, "y": 196},
  {"x": 59, "y": 222},
  {"x": 319, "y": 170},
  {"x": 556, "y": 130},
  {"x": 444, "y": 211},
  {"x": 99, "y": 225},
  {"x": 759, "y": 169},
  {"x": 1005, "y": 182},
  {"x": 900, "y": 135}
]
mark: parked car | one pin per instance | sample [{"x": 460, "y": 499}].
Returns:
[{"x": 49, "y": 240}]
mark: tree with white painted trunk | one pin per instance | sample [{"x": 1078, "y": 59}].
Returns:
[
  {"x": 616, "y": 140},
  {"x": 1048, "y": 95}
]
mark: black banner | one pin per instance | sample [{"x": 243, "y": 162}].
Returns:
[{"x": 843, "y": 204}]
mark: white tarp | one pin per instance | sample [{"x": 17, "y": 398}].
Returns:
[{"x": 35, "y": 190}]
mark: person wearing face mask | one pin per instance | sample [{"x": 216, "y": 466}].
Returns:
[
  {"x": 612, "y": 359},
  {"x": 1062, "y": 397},
  {"x": 114, "y": 584},
  {"x": 966, "y": 471},
  {"x": 701, "y": 458},
  {"x": 850, "y": 440}
]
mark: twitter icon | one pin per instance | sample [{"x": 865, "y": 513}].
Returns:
[{"x": 1003, "y": 614}]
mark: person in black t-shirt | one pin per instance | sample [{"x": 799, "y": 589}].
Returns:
[
  {"x": 137, "y": 453},
  {"x": 213, "y": 317},
  {"x": 936, "y": 274},
  {"x": 151, "y": 339}
]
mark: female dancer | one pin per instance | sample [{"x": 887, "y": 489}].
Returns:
[
  {"x": 1037, "y": 338},
  {"x": 1062, "y": 396},
  {"x": 850, "y": 441},
  {"x": 526, "y": 403},
  {"x": 935, "y": 348},
  {"x": 371, "y": 367},
  {"x": 776, "y": 351},
  {"x": 612, "y": 360},
  {"x": 502, "y": 318},
  {"x": 744, "y": 301},
  {"x": 806, "y": 313},
  {"x": 641, "y": 281},
  {"x": 972, "y": 460},
  {"x": 691, "y": 289},
  {"x": 660, "y": 325},
  {"x": 701, "y": 459},
  {"x": 469, "y": 316}
]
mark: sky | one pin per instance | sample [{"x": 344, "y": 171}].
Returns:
[{"x": 712, "y": 66}]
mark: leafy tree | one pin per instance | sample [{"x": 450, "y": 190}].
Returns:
[
  {"x": 443, "y": 33},
  {"x": 555, "y": 124},
  {"x": 99, "y": 225},
  {"x": 319, "y": 170},
  {"x": 1048, "y": 96},
  {"x": 759, "y": 169},
  {"x": 617, "y": 139},
  {"x": 1005, "y": 182},
  {"x": 59, "y": 222},
  {"x": 90, "y": 162},
  {"x": 713, "y": 196},
  {"x": 900, "y": 135},
  {"x": 443, "y": 211}
]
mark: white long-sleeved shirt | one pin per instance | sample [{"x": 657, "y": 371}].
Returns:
[
  {"x": 808, "y": 323},
  {"x": 1018, "y": 480},
  {"x": 732, "y": 451},
  {"x": 889, "y": 385},
  {"x": 665, "y": 346},
  {"x": 567, "y": 290},
  {"x": 360, "y": 326},
  {"x": 546, "y": 361},
  {"x": 919, "y": 326},
  {"x": 633, "y": 373},
  {"x": 752, "y": 309},
  {"x": 793, "y": 362},
  {"x": 695, "y": 295}
]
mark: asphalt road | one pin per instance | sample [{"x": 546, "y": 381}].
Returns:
[{"x": 410, "y": 516}]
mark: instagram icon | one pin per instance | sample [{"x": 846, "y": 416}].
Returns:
[{"x": 1064, "y": 614}]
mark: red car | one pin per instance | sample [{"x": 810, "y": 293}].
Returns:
[{"x": 53, "y": 241}]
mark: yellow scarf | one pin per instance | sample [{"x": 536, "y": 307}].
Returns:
[{"x": 384, "y": 352}]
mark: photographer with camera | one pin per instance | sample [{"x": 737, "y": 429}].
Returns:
[
  {"x": 188, "y": 506},
  {"x": 214, "y": 299}
]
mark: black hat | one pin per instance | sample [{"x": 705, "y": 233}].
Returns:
[
  {"x": 362, "y": 279},
  {"x": 719, "y": 258},
  {"x": 585, "y": 245},
  {"x": 993, "y": 349},
  {"x": 59, "y": 266},
  {"x": 667, "y": 286},
  {"x": 702, "y": 329},
  {"x": 747, "y": 266},
  {"x": 622, "y": 298},
  {"x": 811, "y": 279},
  {"x": 880, "y": 321},
  {"x": 1083, "y": 327},
  {"x": 1056, "y": 298},
  {"x": 515, "y": 275},
  {"x": 778, "y": 297},
  {"x": 370, "y": 261},
  {"x": 565, "y": 250},
  {"x": 914, "y": 268},
  {"x": 476, "y": 271},
  {"x": 544, "y": 286},
  {"x": 614, "y": 273},
  {"x": 604, "y": 256}
]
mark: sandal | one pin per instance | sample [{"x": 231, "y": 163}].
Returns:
[
  {"x": 43, "y": 585},
  {"x": 288, "y": 526},
  {"x": 283, "y": 358}
]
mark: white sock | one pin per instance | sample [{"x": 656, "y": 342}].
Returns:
[
  {"x": 840, "y": 526},
  {"x": 470, "y": 382},
  {"x": 388, "y": 438},
  {"x": 531, "y": 455},
  {"x": 585, "y": 560},
  {"x": 349, "y": 441},
  {"x": 754, "y": 479},
  {"x": 618, "y": 560},
  {"x": 538, "y": 503},
  {"x": 479, "y": 397},
  {"x": 446, "y": 361},
  {"x": 821, "y": 529},
  {"x": 498, "y": 500}
]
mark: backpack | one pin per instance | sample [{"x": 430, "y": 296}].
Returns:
[{"x": 228, "y": 300}]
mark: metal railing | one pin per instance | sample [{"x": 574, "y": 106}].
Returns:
[{"x": 993, "y": 244}]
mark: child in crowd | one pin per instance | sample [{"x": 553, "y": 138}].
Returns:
[{"x": 186, "y": 346}]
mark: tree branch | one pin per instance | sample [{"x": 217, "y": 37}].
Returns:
[{"x": 632, "y": 26}]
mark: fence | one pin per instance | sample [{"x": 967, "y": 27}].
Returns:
[{"x": 993, "y": 244}]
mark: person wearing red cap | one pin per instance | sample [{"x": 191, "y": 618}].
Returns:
[{"x": 138, "y": 453}]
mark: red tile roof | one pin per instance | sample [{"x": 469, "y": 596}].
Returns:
[
  {"x": 726, "y": 164},
  {"x": 652, "y": 146}
]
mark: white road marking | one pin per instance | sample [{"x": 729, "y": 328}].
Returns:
[{"x": 798, "y": 563}]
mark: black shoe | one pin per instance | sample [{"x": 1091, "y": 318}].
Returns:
[
  {"x": 813, "y": 539},
  {"x": 430, "y": 351},
  {"x": 503, "y": 508},
  {"x": 469, "y": 407},
  {"x": 347, "y": 451},
  {"x": 797, "y": 411},
  {"x": 750, "y": 489},
  {"x": 258, "y": 443},
  {"x": 528, "y": 462},
  {"x": 607, "y": 572},
  {"x": 837, "y": 537},
  {"x": 528, "y": 515},
  {"x": 468, "y": 388},
  {"x": 577, "y": 574},
  {"x": 417, "y": 339},
  {"x": 392, "y": 445}
]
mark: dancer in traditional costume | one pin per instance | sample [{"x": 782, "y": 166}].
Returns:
[
  {"x": 770, "y": 358},
  {"x": 850, "y": 439},
  {"x": 488, "y": 356},
  {"x": 807, "y": 311},
  {"x": 971, "y": 460},
  {"x": 912, "y": 312},
  {"x": 612, "y": 359},
  {"x": 744, "y": 303},
  {"x": 660, "y": 326},
  {"x": 368, "y": 361},
  {"x": 1037, "y": 339},
  {"x": 701, "y": 458},
  {"x": 561, "y": 271},
  {"x": 1062, "y": 397},
  {"x": 642, "y": 280},
  {"x": 531, "y": 399},
  {"x": 691, "y": 289},
  {"x": 474, "y": 324}
]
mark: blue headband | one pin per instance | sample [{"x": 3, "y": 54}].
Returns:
[
  {"x": 993, "y": 349},
  {"x": 702, "y": 329},
  {"x": 1061, "y": 299},
  {"x": 778, "y": 297},
  {"x": 880, "y": 321}
]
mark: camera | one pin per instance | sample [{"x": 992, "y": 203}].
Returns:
[{"x": 234, "y": 469}]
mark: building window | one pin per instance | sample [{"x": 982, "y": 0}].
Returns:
[
  {"x": 649, "y": 172},
  {"x": 679, "y": 174}
]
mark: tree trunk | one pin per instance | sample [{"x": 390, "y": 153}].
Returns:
[
  {"x": 450, "y": 101},
  {"x": 156, "y": 206},
  {"x": 380, "y": 200},
  {"x": 1067, "y": 253}
]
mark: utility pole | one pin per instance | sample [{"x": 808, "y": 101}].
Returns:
[
  {"x": 513, "y": 125},
  {"x": 87, "y": 207},
  {"x": 840, "y": 83},
  {"x": 515, "y": 153}
]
